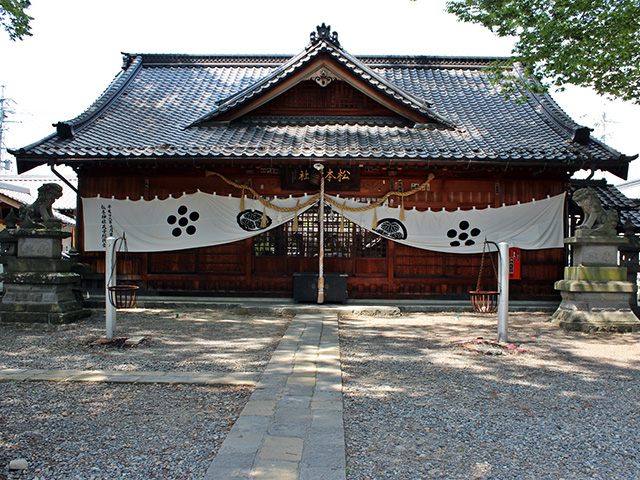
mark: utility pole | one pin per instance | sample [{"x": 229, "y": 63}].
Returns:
[
  {"x": 604, "y": 123},
  {"x": 4, "y": 112},
  {"x": 2, "y": 117}
]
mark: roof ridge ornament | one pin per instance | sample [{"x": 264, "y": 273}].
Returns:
[
  {"x": 323, "y": 77},
  {"x": 126, "y": 60},
  {"x": 323, "y": 32}
]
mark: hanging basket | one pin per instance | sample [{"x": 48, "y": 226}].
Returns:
[
  {"x": 123, "y": 296},
  {"x": 484, "y": 301}
]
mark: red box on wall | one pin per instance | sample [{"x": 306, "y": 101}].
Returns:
[{"x": 514, "y": 264}]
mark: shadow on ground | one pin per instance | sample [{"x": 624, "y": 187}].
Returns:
[{"x": 419, "y": 405}]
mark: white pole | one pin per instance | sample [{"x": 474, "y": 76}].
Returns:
[
  {"x": 320, "y": 168},
  {"x": 109, "y": 280},
  {"x": 503, "y": 287}
]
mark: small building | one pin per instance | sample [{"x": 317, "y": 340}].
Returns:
[{"x": 407, "y": 149}]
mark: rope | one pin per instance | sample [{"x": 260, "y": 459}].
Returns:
[
  {"x": 481, "y": 267},
  {"x": 493, "y": 264},
  {"x": 381, "y": 200},
  {"x": 313, "y": 199},
  {"x": 115, "y": 249},
  {"x": 262, "y": 200}
]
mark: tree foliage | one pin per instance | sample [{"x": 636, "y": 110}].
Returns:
[
  {"x": 14, "y": 19},
  {"x": 592, "y": 43}
]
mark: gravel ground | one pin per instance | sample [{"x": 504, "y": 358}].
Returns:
[
  {"x": 185, "y": 340},
  {"x": 107, "y": 431},
  {"x": 423, "y": 402},
  {"x": 115, "y": 431}
]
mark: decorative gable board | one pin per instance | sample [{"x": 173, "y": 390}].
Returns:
[
  {"x": 323, "y": 70},
  {"x": 337, "y": 98}
]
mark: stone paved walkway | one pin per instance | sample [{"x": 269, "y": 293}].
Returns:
[{"x": 291, "y": 428}]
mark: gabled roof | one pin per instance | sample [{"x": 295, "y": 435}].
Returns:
[
  {"x": 325, "y": 61},
  {"x": 202, "y": 108}
]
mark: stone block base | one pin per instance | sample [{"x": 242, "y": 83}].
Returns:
[
  {"x": 595, "y": 319},
  {"x": 53, "y": 318},
  {"x": 595, "y": 293},
  {"x": 53, "y": 304}
]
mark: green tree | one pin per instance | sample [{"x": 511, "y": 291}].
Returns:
[
  {"x": 14, "y": 19},
  {"x": 591, "y": 43}
]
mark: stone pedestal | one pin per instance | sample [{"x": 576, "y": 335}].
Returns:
[
  {"x": 39, "y": 287},
  {"x": 595, "y": 291},
  {"x": 630, "y": 259}
]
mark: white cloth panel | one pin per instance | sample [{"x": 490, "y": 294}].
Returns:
[
  {"x": 530, "y": 226},
  {"x": 190, "y": 221}
]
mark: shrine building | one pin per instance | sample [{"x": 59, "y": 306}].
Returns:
[{"x": 212, "y": 166}]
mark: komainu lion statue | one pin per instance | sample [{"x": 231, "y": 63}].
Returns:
[
  {"x": 597, "y": 220},
  {"x": 39, "y": 212}
]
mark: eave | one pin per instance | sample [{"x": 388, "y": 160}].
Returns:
[{"x": 503, "y": 163}]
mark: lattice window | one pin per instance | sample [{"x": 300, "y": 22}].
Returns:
[
  {"x": 265, "y": 244},
  {"x": 370, "y": 245},
  {"x": 347, "y": 242}
]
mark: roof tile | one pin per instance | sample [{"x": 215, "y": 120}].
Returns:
[{"x": 144, "y": 111}]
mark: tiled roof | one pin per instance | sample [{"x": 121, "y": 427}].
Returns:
[
  {"x": 342, "y": 57},
  {"x": 144, "y": 112},
  {"x": 27, "y": 189},
  {"x": 631, "y": 188},
  {"x": 17, "y": 193}
]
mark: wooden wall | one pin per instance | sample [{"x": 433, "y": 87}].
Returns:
[{"x": 400, "y": 271}]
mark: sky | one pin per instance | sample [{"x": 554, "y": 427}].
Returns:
[{"x": 75, "y": 51}]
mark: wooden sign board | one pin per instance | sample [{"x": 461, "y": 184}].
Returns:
[{"x": 336, "y": 178}]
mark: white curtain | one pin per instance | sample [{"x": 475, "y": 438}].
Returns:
[
  {"x": 193, "y": 220},
  {"x": 530, "y": 226},
  {"x": 201, "y": 219}
]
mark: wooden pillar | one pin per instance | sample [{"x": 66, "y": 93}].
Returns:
[
  {"x": 391, "y": 263},
  {"x": 248, "y": 261},
  {"x": 144, "y": 270}
]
